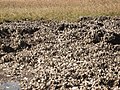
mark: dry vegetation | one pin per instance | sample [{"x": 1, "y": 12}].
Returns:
[{"x": 57, "y": 9}]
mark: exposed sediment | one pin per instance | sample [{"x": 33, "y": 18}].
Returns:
[{"x": 49, "y": 55}]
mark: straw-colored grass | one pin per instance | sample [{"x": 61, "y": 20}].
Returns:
[{"x": 57, "y": 9}]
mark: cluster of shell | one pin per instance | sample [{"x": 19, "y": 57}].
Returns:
[{"x": 50, "y": 55}]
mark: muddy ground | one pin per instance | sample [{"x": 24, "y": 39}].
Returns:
[{"x": 50, "y": 55}]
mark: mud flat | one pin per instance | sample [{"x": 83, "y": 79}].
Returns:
[{"x": 50, "y": 55}]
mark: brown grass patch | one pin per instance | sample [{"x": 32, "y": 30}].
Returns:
[{"x": 57, "y": 9}]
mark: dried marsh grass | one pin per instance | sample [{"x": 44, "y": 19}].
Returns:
[{"x": 57, "y": 9}]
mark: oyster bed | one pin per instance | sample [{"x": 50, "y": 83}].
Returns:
[{"x": 50, "y": 55}]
